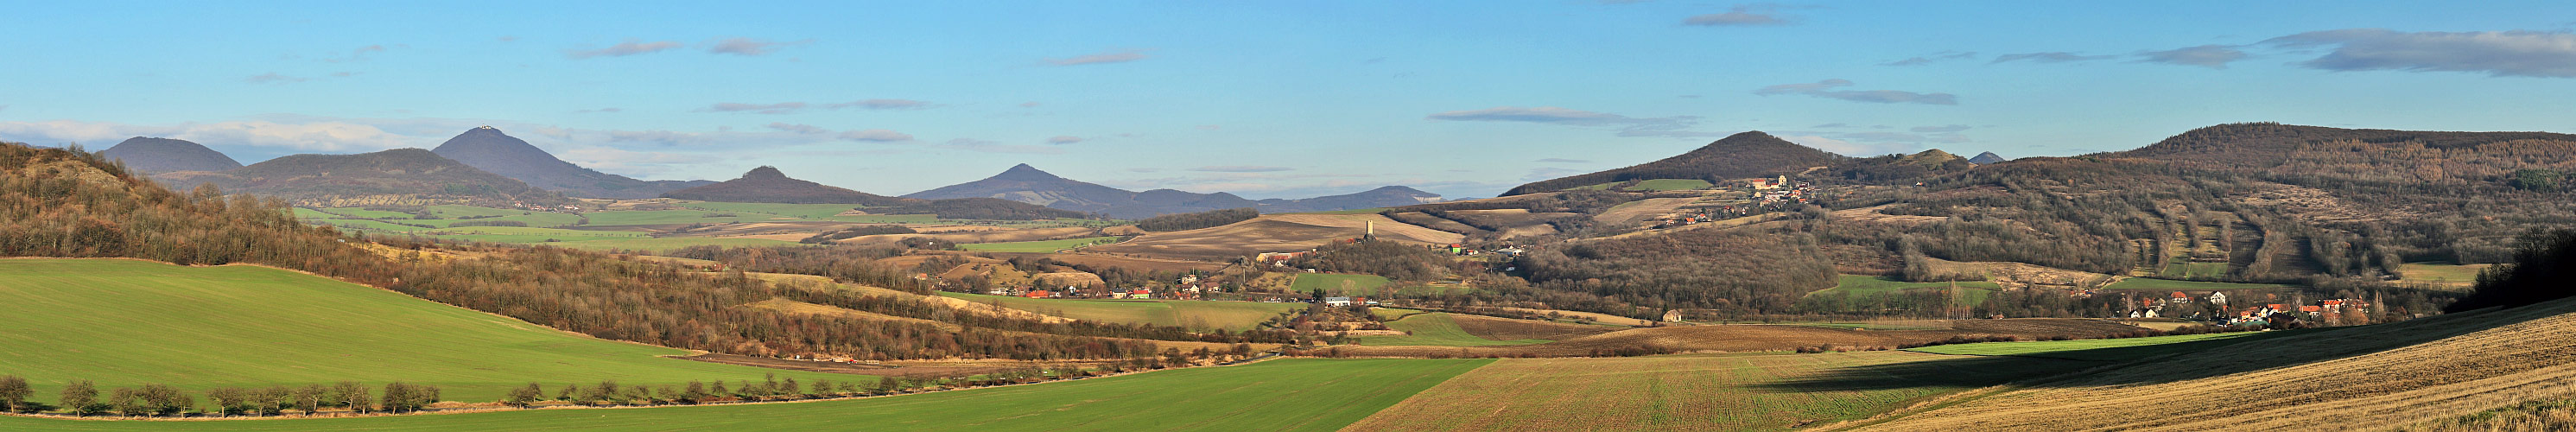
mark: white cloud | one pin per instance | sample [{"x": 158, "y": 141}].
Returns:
[
  {"x": 880, "y": 104},
  {"x": 775, "y": 108},
  {"x": 1676, "y": 126},
  {"x": 1121, "y": 56},
  {"x": 2506, "y": 53},
  {"x": 2048, "y": 57},
  {"x": 630, "y": 47},
  {"x": 743, "y": 46},
  {"x": 1064, "y": 139},
  {"x": 1825, "y": 89},
  {"x": 2208, "y": 56},
  {"x": 1241, "y": 169},
  {"x": 875, "y": 135},
  {"x": 1741, "y": 15},
  {"x": 798, "y": 128},
  {"x": 338, "y": 137}
]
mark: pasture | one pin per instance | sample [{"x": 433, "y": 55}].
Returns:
[
  {"x": 2183, "y": 285},
  {"x": 1353, "y": 284},
  {"x": 2441, "y": 274},
  {"x": 1205, "y": 315},
  {"x": 127, "y": 323},
  {"x": 1277, "y": 395},
  {"x": 1434, "y": 329},
  {"x": 1695, "y": 392},
  {"x": 1040, "y": 246}
]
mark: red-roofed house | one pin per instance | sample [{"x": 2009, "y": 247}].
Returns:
[
  {"x": 1040, "y": 294},
  {"x": 2311, "y": 309}
]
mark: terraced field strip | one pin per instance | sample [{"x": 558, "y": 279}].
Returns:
[
  {"x": 1276, "y": 395},
  {"x": 1694, "y": 392},
  {"x": 127, "y": 323}
]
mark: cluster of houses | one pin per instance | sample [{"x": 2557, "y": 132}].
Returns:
[
  {"x": 1189, "y": 287},
  {"x": 2249, "y": 314},
  {"x": 1461, "y": 249}
]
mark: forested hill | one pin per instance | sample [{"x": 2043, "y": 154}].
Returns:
[
  {"x": 160, "y": 155},
  {"x": 392, "y": 177},
  {"x": 767, "y": 185},
  {"x": 1749, "y": 154},
  {"x": 2264, "y": 145},
  {"x": 488, "y": 149}
]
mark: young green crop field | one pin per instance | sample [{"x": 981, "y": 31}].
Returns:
[
  {"x": 1194, "y": 314},
  {"x": 2103, "y": 349},
  {"x": 1041, "y": 246},
  {"x": 2182, "y": 285},
  {"x": 127, "y": 323},
  {"x": 1696, "y": 392},
  {"x": 800, "y": 211},
  {"x": 1359, "y": 284},
  {"x": 1434, "y": 329},
  {"x": 1276, "y": 395}
]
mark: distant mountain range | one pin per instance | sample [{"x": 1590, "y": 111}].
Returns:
[
  {"x": 488, "y": 149},
  {"x": 767, "y": 185},
  {"x": 1027, "y": 184},
  {"x": 407, "y": 176},
  {"x": 1986, "y": 158},
  {"x": 161, "y": 155},
  {"x": 1749, "y": 154}
]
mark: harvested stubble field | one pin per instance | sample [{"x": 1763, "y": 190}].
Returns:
[
  {"x": 1692, "y": 392},
  {"x": 1202, "y": 315},
  {"x": 1757, "y": 338},
  {"x": 2387, "y": 374}
]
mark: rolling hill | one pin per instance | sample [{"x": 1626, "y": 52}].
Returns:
[
  {"x": 1389, "y": 196},
  {"x": 390, "y": 177},
  {"x": 488, "y": 149},
  {"x": 1748, "y": 154},
  {"x": 767, "y": 185},
  {"x": 1027, "y": 184},
  {"x": 160, "y": 155},
  {"x": 1986, "y": 158}
]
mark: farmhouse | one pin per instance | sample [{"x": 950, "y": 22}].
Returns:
[{"x": 1337, "y": 301}]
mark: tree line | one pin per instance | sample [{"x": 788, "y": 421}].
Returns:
[
  {"x": 1191, "y": 221},
  {"x": 83, "y": 398}
]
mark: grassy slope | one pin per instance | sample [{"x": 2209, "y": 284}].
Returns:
[
  {"x": 1690, "y": 392},
  {"x": 1291, "y": 394},
  {"x": 2100, "y": 349},
  {"x": 1195, "y": 314},
  {"x": 1041, "y": 246},
  {"x": 1436, "y": 329},
  {"x": 2383, "y": 374},
  {"x": 125, "y": 322},
  {"x": 2441, "y": 273},
  {"x": 1361, "y": 283},
  {"x": 1861, "y": 286},
  {"x": 1670, "y": 184},
  {"x": 2168, "y": 284}
]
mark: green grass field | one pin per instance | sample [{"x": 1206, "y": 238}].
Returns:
[
  {"x": 1761, "y": 392},
  {"x": 1435, "y": 329},
  {"x": 2441, "y": 273},
  {"x": 2179, "y": 285},
  {"x": 2189, "y": 270},
  {"x": 127, "y": 323},
  {"x": 800, "y": 211},
  {"x": 1658, "y": 185},
  {"x": 1359, "y": 284},
  {"x": 1188, "y": 313},
  {"x": 671, "y": 217},
  {"x": 359, "y": 212},
  {"x": 1277, "y": 395},
  {"x": 1041, "y": 246},
  {"x": 1862, "y": 286},
  {"x": 2103, "y": 349}
]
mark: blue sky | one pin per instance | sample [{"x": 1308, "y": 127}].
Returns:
[{"x": 1285, "y": 99}]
